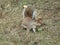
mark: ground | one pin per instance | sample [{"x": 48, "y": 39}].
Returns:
[{"x": 10, "y": 21}]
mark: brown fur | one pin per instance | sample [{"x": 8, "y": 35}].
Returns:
[
  {"x": 28, "y": 12},
  {"x": 28, "y": 21}
]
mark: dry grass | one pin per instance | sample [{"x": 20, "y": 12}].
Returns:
[{"x": 10, "y": 20}]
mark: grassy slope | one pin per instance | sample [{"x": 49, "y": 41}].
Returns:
[{"x": 10, "y": 32}]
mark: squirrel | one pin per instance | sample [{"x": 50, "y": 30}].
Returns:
[
  {"x": 30, "y": 19},
  {"x": 29, "y": 11}
]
